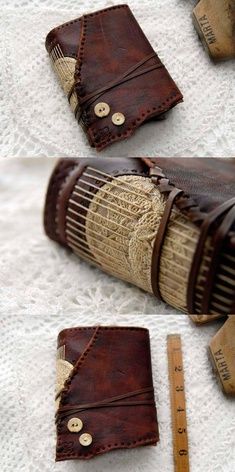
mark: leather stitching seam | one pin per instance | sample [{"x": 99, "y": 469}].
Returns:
[
  {"x": 135, "y": 124},
  {"x": 145, "y": 439},
  {"x": 51, "y": 193}
]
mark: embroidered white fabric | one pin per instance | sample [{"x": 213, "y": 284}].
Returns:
[
  {"x": 44, "y": 289},
  {"x": 36, "y": 119}
]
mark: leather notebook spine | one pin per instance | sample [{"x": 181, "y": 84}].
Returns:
[{"x": 133, "y": 223}]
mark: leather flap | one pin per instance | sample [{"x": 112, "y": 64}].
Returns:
[
  {"x": 110, "y": 362},
  {"x": 111, "y": 43}
]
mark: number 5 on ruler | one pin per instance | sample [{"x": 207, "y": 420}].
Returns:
[{"x": 178, "y": 403}]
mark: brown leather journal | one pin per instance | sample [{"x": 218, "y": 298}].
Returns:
[
  {"x": 202, "y": 319},
  {"x": 222, "y": 353},
  {"x": 110, "y": 73},
  {"x": 105, "y": 397},
  {"x": 165, "y": 225}
]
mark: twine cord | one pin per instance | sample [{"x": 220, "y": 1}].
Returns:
[{"x": 68, "y": 410}]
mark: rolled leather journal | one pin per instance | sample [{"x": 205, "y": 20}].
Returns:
[
  {"x": 215, "y": 24},
  {"x": 202, "y": 319},
  {"x": 222, "y": 353},
  {"x": 111, "y": 75},
  {"x": 165, "y": 225},
  {"x": 105, "y": 396}
]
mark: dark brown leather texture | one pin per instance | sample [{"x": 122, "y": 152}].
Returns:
[
  {"x": 209, "y": 181},
  {"x": 208, "y": 199},
  {"x": 110, "y": 389},
  {"x": 117, "y": 65},
  {"x": 203, "y": 190}
]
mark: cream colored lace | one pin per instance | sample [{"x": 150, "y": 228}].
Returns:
[
  {"x": 63, "y": 370},
  {"x": 121, "y": 226},
  {"x": 65, "y": 69}
]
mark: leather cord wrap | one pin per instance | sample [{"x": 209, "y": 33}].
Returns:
[
  {"x": 226, "y": 212},
  {"x": 68, "y": 410},
  {"x": 130, "y": 74},
  {"x": 156, "y": 175},
  {"x": 218, "y": 239}
]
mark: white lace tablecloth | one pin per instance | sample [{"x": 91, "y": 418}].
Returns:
[
  {"x": 27, "y": 374},
  {"x": 35, "y": 117},
  {"x": 43, "y": 290}
]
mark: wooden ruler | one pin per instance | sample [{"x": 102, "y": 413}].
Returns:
[{"x": 178, "y": 403}]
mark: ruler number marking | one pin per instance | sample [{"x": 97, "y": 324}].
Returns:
[
  {"x": 183, "y": 452},
  {"x": 178, "y": 369},
  {"x": 182, "y": 430},
  {"x": 178, "y": 404}
]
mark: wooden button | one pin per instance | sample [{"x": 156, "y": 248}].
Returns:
[
  {"x": 118, "y": 119},
  {"x": 102, "y": 109},
  {"x": 75, "y": 425},
  {"x": 85, "y": 439}
]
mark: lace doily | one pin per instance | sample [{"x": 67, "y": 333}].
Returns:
[
  {"x": 36, "y": 119},
  {"x": 28, "y": 373},
  {"x": 123, "y": 241}
]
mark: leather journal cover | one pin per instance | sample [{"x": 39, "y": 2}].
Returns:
[
  {"x": 110, "y": 73},
  {"x": 165, "y": 225},
  {"x": 105, "y": 397},
  {"x": 222, "y": 354},
  {"x": 202, "y": 319}
]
